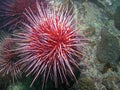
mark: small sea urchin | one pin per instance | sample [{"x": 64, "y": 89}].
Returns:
[
  {"x": 48, "y": 46},
  {"x": 11, "y": 12},
  {"x": 8, "y": 66}
]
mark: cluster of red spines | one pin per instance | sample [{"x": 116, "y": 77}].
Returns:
[{"x": 49, "y": 44}]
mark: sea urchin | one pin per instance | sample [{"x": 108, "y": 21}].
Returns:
[
  {"x": 8, "y": 66},
  {"x": 48, "y": 45},
  {"x": 11, "y": 12}
]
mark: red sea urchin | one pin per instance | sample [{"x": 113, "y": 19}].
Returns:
[
  {"x": 8, "y": 66},
  {"x": 11, "y": 12},
  {"x": 48, "y": 45}
]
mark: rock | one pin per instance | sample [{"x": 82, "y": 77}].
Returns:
[
  {"x": 20, "y": 86},
  {"x": 90, "y": 31},
  {"x": 85, "y": 83},
  {"x": 117, "y": 18},
  {"x": 108, "y": 49},
  {"x": 99, "y": 4}
]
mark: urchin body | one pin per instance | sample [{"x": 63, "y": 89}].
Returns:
[{"x": 48, "y": 44}]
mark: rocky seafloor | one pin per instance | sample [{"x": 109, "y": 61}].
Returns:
[
  {"x": 99, "y": 21},
  {"x": 101, "y": 24}
]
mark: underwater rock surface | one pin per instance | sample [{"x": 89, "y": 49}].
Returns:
[
  {"x": 117, "y": 18},
  {"x": 103, "y": 64},
  {"x": 108, "y": 48}
]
